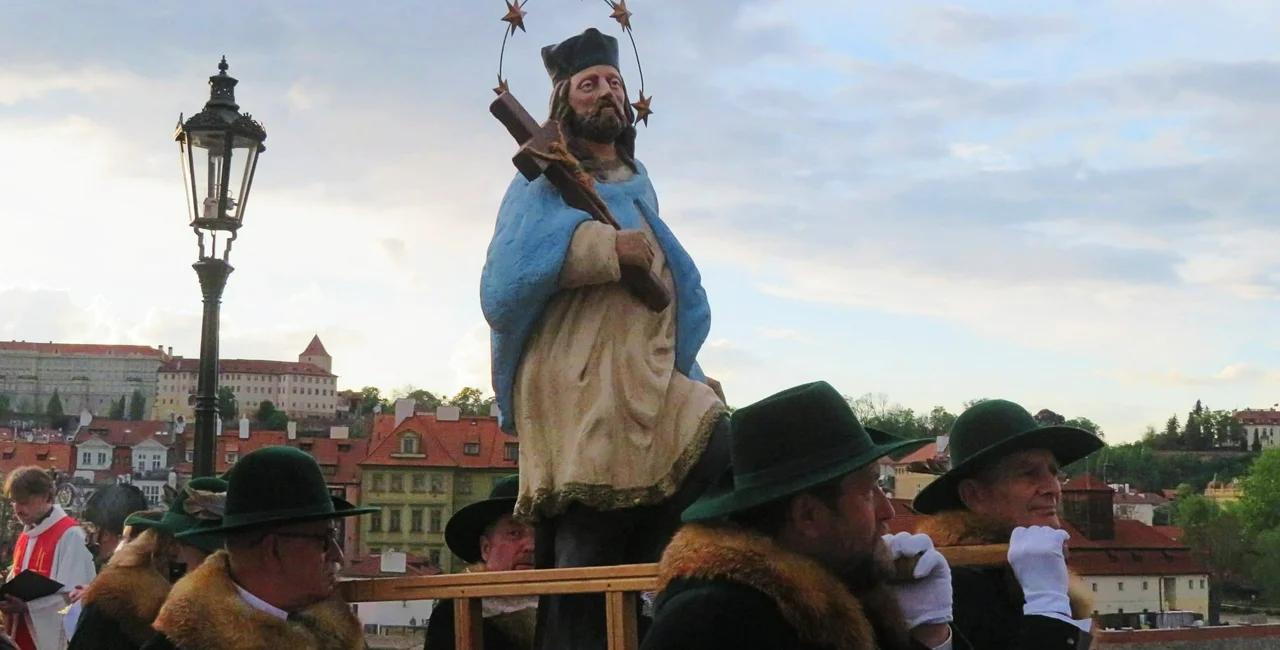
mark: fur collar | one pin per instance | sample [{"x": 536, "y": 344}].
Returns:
[
  {"x": 964, "y": 528},
  {"x": 205, "y": 612},
  {"x": 129, "y": 590},
  {"x": 816, "y": 604}
]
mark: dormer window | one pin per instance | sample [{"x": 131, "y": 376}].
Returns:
[{"x": 409, "y": 444}]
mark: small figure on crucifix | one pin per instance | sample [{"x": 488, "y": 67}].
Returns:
[{"x": 620, "y": 430}]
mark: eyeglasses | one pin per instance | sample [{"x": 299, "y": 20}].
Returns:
[{"x": 327, "y": 540}]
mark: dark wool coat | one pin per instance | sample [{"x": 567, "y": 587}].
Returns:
[
  {"x": 988, "y": 601},
  {"x": 497, "y": 636},
  {"x": 725, "y": 587},
  {"x": 118, "y": 608},
  {"x": 205, "y": 612}
]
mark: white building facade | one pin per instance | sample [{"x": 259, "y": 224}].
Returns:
[{"x": 91, "y": 377}]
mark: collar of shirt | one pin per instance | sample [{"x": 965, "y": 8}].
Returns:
[
  {"x": 262, "y": 605},
  {"x": 55, "y": 515}
]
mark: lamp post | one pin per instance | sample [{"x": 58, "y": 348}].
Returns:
[{"x": 214, "y": 143}]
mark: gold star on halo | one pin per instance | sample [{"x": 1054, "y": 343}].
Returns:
[
  {"x": 502, "y": 87},
  {"x": 642, "y": 108},
  {"x": 515, "y": 16},
  {"x": 620, "y": 13}
]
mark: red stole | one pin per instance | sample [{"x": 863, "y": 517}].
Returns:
[{"x": 41, "y": 562}]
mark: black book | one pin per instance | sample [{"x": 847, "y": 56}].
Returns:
[{"x": 29, "y": 586}]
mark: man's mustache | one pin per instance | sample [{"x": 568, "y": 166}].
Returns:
[{"x": 607, "y": 102}]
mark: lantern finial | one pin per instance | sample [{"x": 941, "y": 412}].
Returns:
[{"x": 222, "y": 67}]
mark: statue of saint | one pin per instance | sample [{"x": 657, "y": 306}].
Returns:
[{"x": 619, "y": 429}]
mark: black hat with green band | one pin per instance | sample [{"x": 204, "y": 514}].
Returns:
[
  {"x": 792, "y": 441},
  {"x": 201, "y": 500}
]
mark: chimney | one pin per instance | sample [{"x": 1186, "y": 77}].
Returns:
[
  {"x": 494, "y": 411},
  {"x": 170, "y": 351},
  {"x": 244, "y": 428},
  {"x": 339, "y": 433},
  {"x": 218, "y": 420},
  {"x": 448, "y": 414},
  {"x": 943, "y": 441},
  {"x": 404, "y": 409},
  {"x": 393, "y": 562},
  {"x": 293, "y": 430}
]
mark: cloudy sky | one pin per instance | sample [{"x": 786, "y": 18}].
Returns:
[{"x": 1074, "y": 209}]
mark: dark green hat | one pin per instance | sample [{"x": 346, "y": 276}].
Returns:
[
  {"x": 201, "y": 500},
  {"x": 990, "y": 430},
  {"x": 462, "y": 533},
  {"x": 276, "y": 486},
  {"x": 577, "y": 53},
  {"x": 796, "y": 439}
]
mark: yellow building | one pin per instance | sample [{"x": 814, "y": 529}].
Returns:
[
  {"x": 421, "y": 472},
  {"x": 907, "y": 480},
  {"x": 1223, "y": 492}
]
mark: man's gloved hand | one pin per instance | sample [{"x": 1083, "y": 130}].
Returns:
[
  {"x": 927, "y": 599},
  {"x": 1040, "y": 565}
]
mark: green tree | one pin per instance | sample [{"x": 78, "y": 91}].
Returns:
[
  {"x": 1260, "y": 502},
  {"x": 278, "y": 421},
  {"x": 471, "y": 401},
  {"x": 265, "y": 410},
  {"x": 54, "y": 408},
  {"x": 117, "y": 410},
  {"x": 137, "y": 406},
  {"x": 1084, "y": 423},
  {"x": 228, "y": 409},
  {"x": 938, "y": 422},
  {"x": 5, "y": 410},
  {"x": 1218, "y": 535},
  {"x": 1171, "y": 438},
  {"x": 425, "y": 400},
  {"x": 1193, "y": 434},
  {"x": 372, "y": 399},
  {"x": 1048, "y": 418},
  {"x": 1257, "y": 444}
]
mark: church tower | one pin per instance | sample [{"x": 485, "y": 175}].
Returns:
[{"x": 316, "y": 354}]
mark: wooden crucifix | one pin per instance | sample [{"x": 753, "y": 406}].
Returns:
[{"x": 544, "y": 152}]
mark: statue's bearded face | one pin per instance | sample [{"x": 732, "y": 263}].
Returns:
[{"x": 598, "y": 99}]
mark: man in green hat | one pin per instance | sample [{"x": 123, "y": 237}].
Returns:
[
  {"x": 1003, "y": 488},
  {"x": 274, "y": 585},
  {"x": 119, "y": 606},
  {"x": 486, "y": 536},
  {"x": 791, "y": 553}
]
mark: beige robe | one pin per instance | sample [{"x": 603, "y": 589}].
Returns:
[{"x": 604, "y": 417}]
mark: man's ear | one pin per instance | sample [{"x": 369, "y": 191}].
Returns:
[
  {"x": 810, "y": 517},
  {"x": 484, "y": 548},
  {"x": 971, "y": 493}
]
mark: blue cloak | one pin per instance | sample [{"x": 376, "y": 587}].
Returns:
[{"x": 522, "y": 272}]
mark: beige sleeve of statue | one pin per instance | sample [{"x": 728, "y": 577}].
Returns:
[{"x": 592, "y": 257}]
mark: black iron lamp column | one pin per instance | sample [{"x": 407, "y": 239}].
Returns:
[{"x": 214, "y": 143}]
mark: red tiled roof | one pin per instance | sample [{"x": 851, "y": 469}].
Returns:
[
  {"x": 383, "y": 425},
  {"x": 87, "y": 349},
  {"x": 1139, "y": 498},
  {"x": 927, "y": 452},
  {"x": 1174, "y": 533},
  {"x": 1258, "y": 417},
  {"x": 247, "y": 367},
  {"x": 315, "y": 348},
  {"x": 18, "y": 453},
  {"x": 342, "y": 454},
  {"x": 125, "y": 432},
  {"x": 1086, "y": 483},
  {"x": 444, "y": 443},
  {"x": 230, "y": 441},
  {"x": 370, "y": 566}
]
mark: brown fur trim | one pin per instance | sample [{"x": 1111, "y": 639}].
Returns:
[
  {"x": 129, "y": 590},
  {"x": 205, "y": 612},
  {"x": 811, "y": 599},
  {"x": 966, "y": 528}
]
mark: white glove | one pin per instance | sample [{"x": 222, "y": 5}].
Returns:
[
  {"x": 1038, "y": 562},
  {"x": 927, "y": 599}
]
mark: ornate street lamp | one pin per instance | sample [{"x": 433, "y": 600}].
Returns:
[{"x": 219, "y": 147}]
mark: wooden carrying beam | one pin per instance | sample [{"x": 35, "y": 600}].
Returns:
[{"x": 619, "y": 584}]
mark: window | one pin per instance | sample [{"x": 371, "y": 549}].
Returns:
[
  {"x": 437, "y": 483},
  {"x": 397, "y": 483},
  {"x": 232, "y": 457},
  {"x": 1144, "y": 585},
  {"x": 86, "y": 458},
  {"x": 1191, "y": 584},
  {"x": 462, "y": 484},
  {"x": 375, "y": 525},
  {"x": 409, "y": 444},
  {"x": 1202, "y": 584},
  {"x": 511, "y": 451},
  {"x": 415, "y": 521},
  {"x": 393, "y": 526},
  {"x": 434, "y": 556},
  {"x": 102, "y": 458},
  {"x": 471, "y": 449},
  {"x": 1120, "y": 586},
  {"x": 377, "y": 482},
  {"x": 1095, "y": 586},
  {"x": 436, "y": 516},
  {"x": 190, "y": 456},
  {"x": 419, "y": 482}
]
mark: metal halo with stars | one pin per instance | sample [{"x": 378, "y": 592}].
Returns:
[{"x": 619, "y": 12}]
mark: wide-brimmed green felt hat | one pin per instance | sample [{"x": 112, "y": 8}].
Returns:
[
  {"x": 466, "y": 526},
  {"x": 791, "y": 441},
  {"x": 276, "y": 486},
  {"x": 202, "y": 499},
  {"x": 991, "y": 430}
]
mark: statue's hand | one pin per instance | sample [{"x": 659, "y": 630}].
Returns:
[
  {"x": 715, "y": 386},
  {"x": 634, "y": 249}
]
